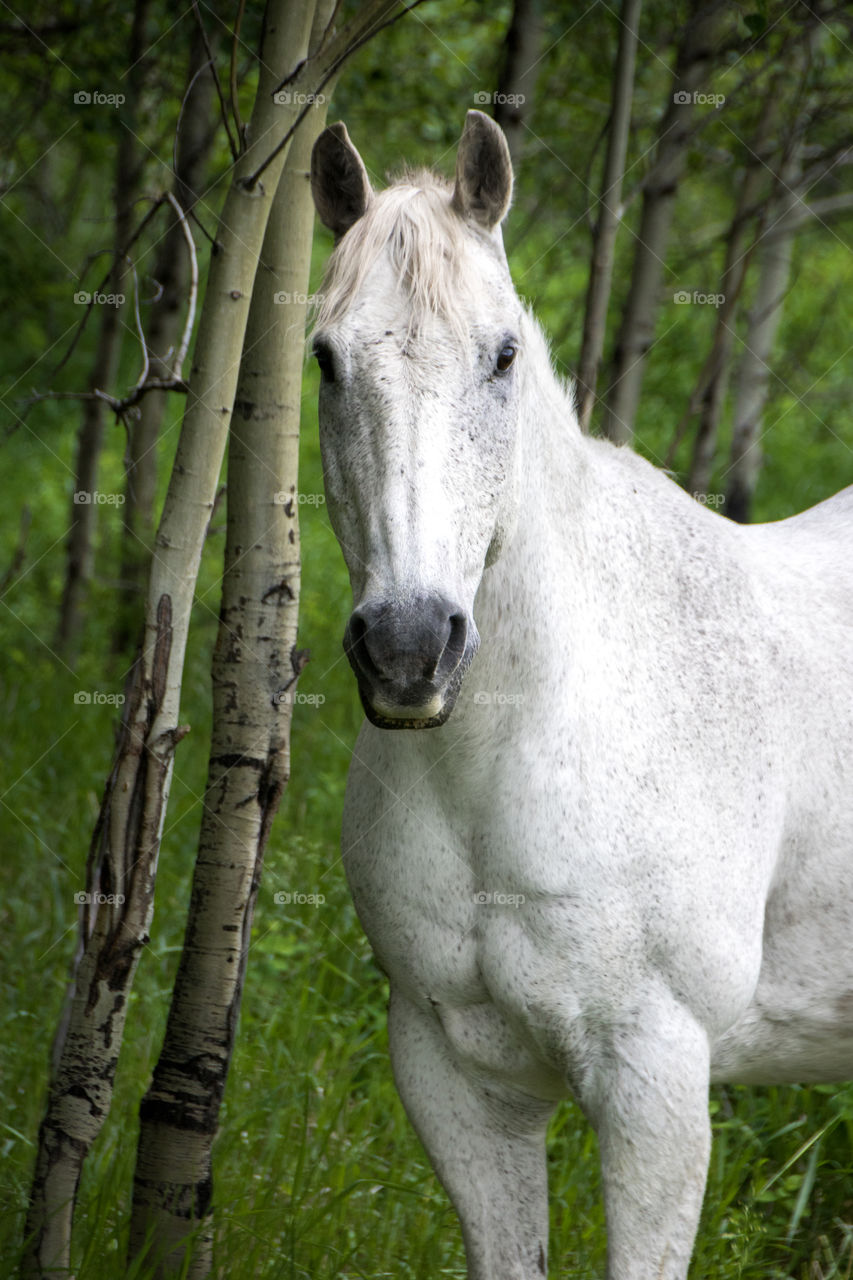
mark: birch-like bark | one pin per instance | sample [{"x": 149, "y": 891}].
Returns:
[
  {"x": 79, "y": 558},
  {"x": 639, "y": 314},
  {"x": 255, "y": 668},
  {"x": 754, "y": 369},
  {"x": 609, "y": 212},
  {"x": 125, "y": 846},
  {"x": 517, "y": 79},
  {"x": 172, "y": 276}
]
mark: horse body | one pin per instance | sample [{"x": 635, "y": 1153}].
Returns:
[{"x": 621, "y": 867}]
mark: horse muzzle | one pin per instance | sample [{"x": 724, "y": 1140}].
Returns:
[{"x": 409, "y": 659}]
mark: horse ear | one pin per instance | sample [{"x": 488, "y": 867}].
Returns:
[
  {"x": 483, "y": 172},
  {"x": 339, "y": 181}
]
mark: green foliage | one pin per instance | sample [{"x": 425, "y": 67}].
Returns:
[{"x": 318, "y": 1173}]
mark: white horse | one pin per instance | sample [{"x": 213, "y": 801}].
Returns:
[{"x": 620, "y": 865}]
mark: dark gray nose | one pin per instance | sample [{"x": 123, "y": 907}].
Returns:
[{"x": 407, "y": 652}]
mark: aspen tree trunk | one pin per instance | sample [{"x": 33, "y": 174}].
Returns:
[
  {"x": 517, "y": 80},
  {"x": 753, "y": 373},
  {"x": 125, "y": 845},
  {"x": 84, "y": 507},
  {"x": 172, "y": 275},
  {"x": 710, "y": 391},
  {"x": 79, "y": 552},
  {"x": 637, "y": 326},
  {"x": 609, "y": 212},
  {"x": 255, "y": 668},
  {"x": 784, "y": 218}
]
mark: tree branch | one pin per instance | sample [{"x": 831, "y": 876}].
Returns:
[
  {"x": 235, "y": 104},
  {"x": 356, "y": 33},
  {"x": 181, "y": 353},
  {"x": 235, "y": 151},
  {"x": 119, "y": 407}
]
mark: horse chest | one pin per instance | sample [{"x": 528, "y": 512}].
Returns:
[
  {"x": 449, "y": 946},
  {"x": 512, "y": 920},
  {"x": 416, "y": 900}
]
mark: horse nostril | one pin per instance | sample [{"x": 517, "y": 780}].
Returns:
[
  {"x": 458, "y": 634},
  {"x": 455, "y": 634},
  {"x": 356, "y": 645},
  {"x": 438, "y": 635},
  {"x": 357, "y": 629},
  {"x": 420, "y": 642}
]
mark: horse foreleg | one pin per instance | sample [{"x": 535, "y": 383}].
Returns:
[
  {"x": 648, "y": 1099},
  {"x": 487, "y": 1147}
]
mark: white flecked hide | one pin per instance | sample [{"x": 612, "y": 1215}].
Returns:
[{"x": 609, "y": 852}]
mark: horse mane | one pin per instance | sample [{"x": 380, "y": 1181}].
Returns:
[{"x": 415, "y": 221}]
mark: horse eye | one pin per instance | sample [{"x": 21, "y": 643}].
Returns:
[
  {"x": 505, "y": 359},
  {"x": 325, "y": 361}
]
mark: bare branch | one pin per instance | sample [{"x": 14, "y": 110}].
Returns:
[
  {"x": 235, "y": 150},
  {"x": 208, "y": 235},
  {"x": 235, "y": 103},
  {"x": 125, "y": 251},
  {"x": 184, "y": 102},
  {"x": 146, "y": 363},
  {"x": 356, "y": 33},
  {"x": 181, "y": 353},
  {"x": 119, "y": 407}
]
